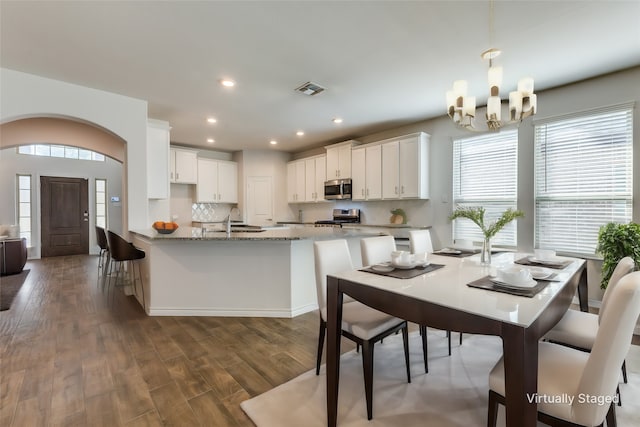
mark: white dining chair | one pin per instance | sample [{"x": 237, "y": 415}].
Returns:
[
  {"x": 578, "y": 329},
  {"x": 571, "y": 373},
  {"x": 378, "y": 249},
  {"x": 420, "y": 241},
  {"x": 360, "y": 323}
]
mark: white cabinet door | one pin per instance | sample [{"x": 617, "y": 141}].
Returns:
[
  {"x": 321, "y": 177},
  {"x": 358, "y": 174},
  {"x": 310, "y": 194},
  {"x": 373, "y": 170},
  {"x": 186, "y": 167},
  {"x": 339, "y": 162},
  {"x": 414, "y": 173},
  {"x": 344, "y": 161},
  {"x": 333, "y": 163},
  {"x": 207, "y": 188},
  {"x": 158, "y": 160},
  {"x": 390, "y": 170},
  {"x": 172, "y": 165},
  {"x": 296, "y": 181},
  {"x": 227, "y": 182}
]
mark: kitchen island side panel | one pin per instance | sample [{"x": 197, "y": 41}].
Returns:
[{"x": 219, "y": 278}]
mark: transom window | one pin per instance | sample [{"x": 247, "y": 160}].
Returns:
[
  {"x": 485, "y": 173},
  {"x": 63, "y": 151},
  {"x": 583, "y": 177}
]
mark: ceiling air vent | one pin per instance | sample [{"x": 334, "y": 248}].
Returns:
[{"x": 310, "y": 89}]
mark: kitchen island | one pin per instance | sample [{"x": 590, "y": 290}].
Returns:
[{"x": 268, "y": 273}]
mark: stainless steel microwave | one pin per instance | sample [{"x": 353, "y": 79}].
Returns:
[{"x": 338, "y": 189}]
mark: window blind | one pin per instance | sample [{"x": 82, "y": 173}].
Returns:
[
  {"x": 583, "y": 178},
  {"x": 485, "y": 174}
]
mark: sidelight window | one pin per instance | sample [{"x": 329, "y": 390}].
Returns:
[
  {"x": 101, "y": 202},
  {"x": 24, "y": 206}
]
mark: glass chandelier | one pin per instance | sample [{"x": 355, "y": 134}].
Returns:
[{"x": 462, "y": 108}]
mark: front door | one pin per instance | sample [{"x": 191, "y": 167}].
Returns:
[{"x": 64, "y": 215}]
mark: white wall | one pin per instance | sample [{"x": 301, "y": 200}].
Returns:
[
  {"x": 25, "y": 95},
  {"x": 12, "y": 163}
]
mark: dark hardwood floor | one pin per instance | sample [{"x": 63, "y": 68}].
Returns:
[{"x": 69, "y": 356}]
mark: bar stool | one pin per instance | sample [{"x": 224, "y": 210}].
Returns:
[
  {"x": 103, "y": 257},
  {"x": 122, "y": 251}
]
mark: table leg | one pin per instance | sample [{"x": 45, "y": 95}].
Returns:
[
  {"x": 520, "y": 375},
  {"x": 583, "y": 291},
  {"x": 334, "y": 320}
]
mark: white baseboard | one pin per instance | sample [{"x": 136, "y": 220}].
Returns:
[{"x": 169, "y": 311}]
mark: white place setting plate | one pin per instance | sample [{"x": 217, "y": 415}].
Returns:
[
  {"x": 549, "y": 261},
  {"x": 528, "y": 284},
  {"x": 450, "y": 251},
  {"x": 404, "y": 266}
]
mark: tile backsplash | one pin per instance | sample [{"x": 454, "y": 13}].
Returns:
[{"x": 212, "y": 212}]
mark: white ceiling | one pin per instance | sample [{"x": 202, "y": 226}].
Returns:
[{"x": 383, "y": 63}]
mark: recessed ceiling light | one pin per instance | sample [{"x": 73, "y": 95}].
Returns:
[
  {"x": 273, "y": 142},
  {"x": 227, "y": 83},
  {"x": 212, "y": 120},
  {"x": 300, "y": 133},
  {"x": 211, "y": 140},
  {"x": 337, "y": 120}
]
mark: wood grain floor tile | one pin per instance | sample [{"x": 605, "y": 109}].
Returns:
[
  {"x": 153, "y": 370},
  {"x": 132, "y": 393},
  {"x": 10, "y": 385},
  {"x": 186, "y": 377},
  {"x": 102, "y": 410},
  {"x": 96, "y": 376},
  {"x": 208, "y": 407},
  {"x": 148, "y": 419}
]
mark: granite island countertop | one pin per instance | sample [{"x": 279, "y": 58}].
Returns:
[{"x": 275, "y": 233}]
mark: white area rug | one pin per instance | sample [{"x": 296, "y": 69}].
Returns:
[{"x": 453, "y": 393}]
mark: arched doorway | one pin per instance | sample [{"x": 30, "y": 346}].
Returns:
[{"x": 61, "y": 132}]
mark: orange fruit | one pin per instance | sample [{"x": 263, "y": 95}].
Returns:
[{"x": 159, "y": 225}]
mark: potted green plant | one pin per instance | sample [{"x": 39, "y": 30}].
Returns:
[
  {"x": 476, "y": 214},
  {"x": 616, "y": 241}
]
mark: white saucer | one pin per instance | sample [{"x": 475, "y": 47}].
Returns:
[
  {"x": 539, "y": 272},
  {"x": 383, "y": 268},
  {"x": 523, "y": 285}
]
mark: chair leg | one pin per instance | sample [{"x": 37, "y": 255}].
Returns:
[
  {"x": 367, "y": 367},
  {"x": 405, "y": 339},
  {"x": 460, "y": 338},
  {"x": 492, "y": 409},
  {"x": 321, "y": 332},
  {"x": 618, "y": 394},
  {"x": 624, "y": 371},
  {"x": 423, "y": 333},
  {"x": 449, "y": 339},
  {"x": 611, "y": 416}
]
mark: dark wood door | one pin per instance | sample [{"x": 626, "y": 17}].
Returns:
[{"x": 64, "y": 215}]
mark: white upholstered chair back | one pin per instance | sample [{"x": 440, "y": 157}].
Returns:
[
  {"x": 600, "y": 376},
  {"x": 377, "y": 249},
  {"x": 331, "y": 256},
  {"x": 420, "y": 241},
  {"x": 624, "y": 267}
]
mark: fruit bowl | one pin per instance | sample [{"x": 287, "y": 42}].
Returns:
[{"x": 165, "y": 227}]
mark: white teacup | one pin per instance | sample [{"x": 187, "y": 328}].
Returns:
[
  {"x": 545, "y": 254},
  {"x": 514, "y": 275}
]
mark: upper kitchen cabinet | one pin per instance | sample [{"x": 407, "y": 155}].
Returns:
[
  {"x": 217, "y": 181},
  {"x": 296, "y": 187},
  {"x": 315, "y": 169},
  {"x": 366, "y": 171},
  {"x": 183, "y": 166},
  {"x": 157, "y": 159},
  {"x": 339, "y": 160},
  {"x": 405, "y": 167}
]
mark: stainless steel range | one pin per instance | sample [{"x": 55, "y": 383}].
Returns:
[{"x": 341, "y": 216}]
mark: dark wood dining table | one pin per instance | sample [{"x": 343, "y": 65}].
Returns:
[{"x": 442, "y": 299}]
